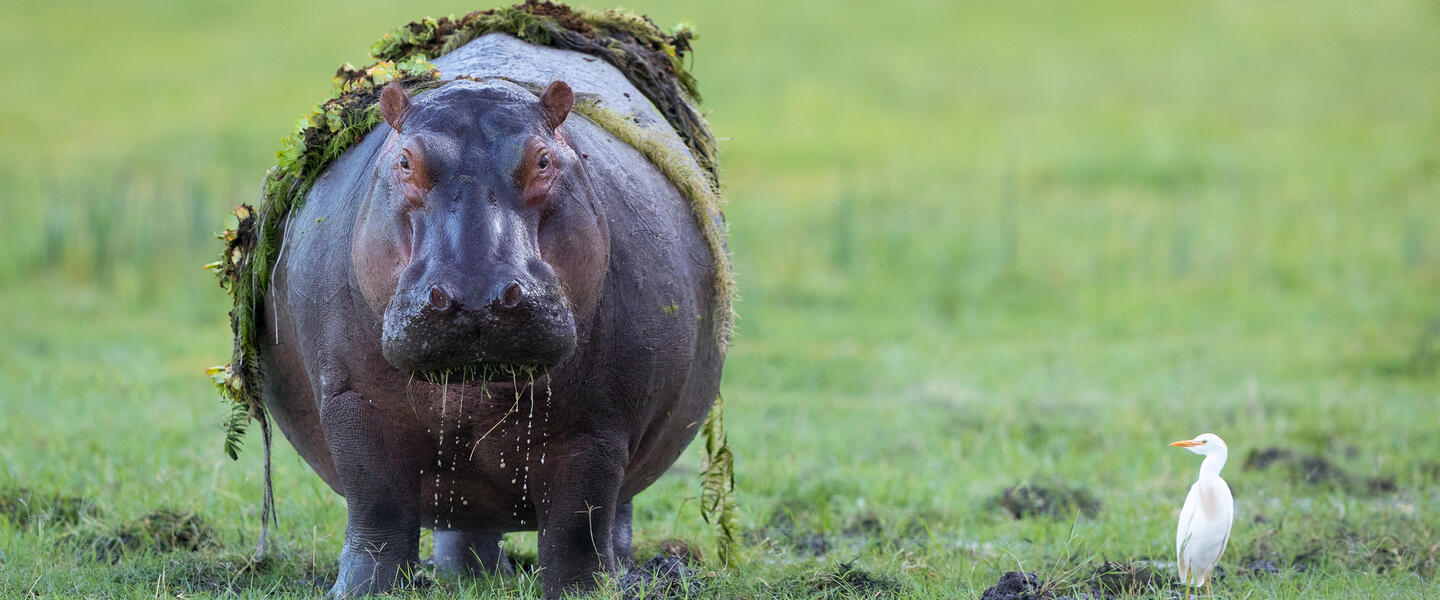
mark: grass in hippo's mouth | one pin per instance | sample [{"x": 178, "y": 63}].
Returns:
[{"x": 480, "y": 371}]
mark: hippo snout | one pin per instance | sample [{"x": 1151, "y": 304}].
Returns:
[{"x": 436, "y": 328}]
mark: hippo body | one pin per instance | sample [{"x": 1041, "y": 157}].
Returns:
[{"x": 490, "y": 315}]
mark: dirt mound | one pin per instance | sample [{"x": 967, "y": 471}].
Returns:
[
  {"x": 1108, "y": 580},
  {"x": 1316, "y": 470},
  {"x": 23, "y": 506},
  {"x": 1129, "y": 578},
  {"x": 846, "y": 577},
  {"x": 1015, "y": 585},
  {"x": 1046, "y": 499},
  {"x": 661, "y": 577},
  {"x": 162, "y": 531},
  {"x": 1259, "y": 567}
]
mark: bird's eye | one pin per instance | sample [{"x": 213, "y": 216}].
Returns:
[
  {"x": 543, "y": 161},
  {"x": 404, "y": 162}
]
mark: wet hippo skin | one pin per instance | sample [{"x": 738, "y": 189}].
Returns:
[{"x": 490, "y": 315}]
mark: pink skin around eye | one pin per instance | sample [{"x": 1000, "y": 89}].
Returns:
[
  {"x": 412, "y": 180},
  {"x": 536, "y": 179}
]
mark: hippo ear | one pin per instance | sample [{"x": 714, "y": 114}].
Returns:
[
  {"x": 394, "y": 103},
  {"x": 557, "y": 102}
]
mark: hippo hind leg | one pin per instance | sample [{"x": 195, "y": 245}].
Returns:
[
  {"x": 620, "y": 533},
  {"x": 470, "y": 553}
]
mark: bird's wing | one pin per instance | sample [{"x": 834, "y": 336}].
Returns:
[
  {"x": 1223, "y": 542},
  {"x": 1183, "y": 529},
  {"x": 1229, "y": 523}
]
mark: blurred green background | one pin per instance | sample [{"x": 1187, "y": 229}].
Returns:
[{"x": 977, "y": 243}]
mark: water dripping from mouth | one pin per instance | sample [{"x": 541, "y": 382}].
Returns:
[
  {"x": 440, "y": 444},
  {"x": 519, "y": 501},
  {"x": 455, "y": 448},
  {"x": 529, "y": 429},
  {"x": 485, "y": 397},
  {"x": 545, "y": 433}
]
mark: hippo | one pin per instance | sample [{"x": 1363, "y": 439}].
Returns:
[{"x": 491, "y": 315}]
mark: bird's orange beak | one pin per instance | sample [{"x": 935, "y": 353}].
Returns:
[{"x": 1186, "y": 443}]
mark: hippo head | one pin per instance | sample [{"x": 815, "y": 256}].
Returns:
[{"x": 480, "y": 243}]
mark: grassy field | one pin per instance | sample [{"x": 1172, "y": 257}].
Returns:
[{"x": 978, "y": 244}]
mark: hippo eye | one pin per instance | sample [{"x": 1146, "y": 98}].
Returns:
[
  {"x": 405, "y": 162},
  {"x": 543, "y": 161}
]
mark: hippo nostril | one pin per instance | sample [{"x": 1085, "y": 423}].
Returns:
[
  {"x": 512, "y": 295},
  {"x": 439, "y": 299}
]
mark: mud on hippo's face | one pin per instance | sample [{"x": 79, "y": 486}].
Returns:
[{"x": 480, "y": 242}]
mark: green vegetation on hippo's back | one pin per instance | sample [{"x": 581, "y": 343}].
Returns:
[{"x": 649, "y": 58}]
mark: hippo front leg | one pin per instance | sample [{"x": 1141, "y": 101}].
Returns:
[
  {"x": 379, "y": 469},
  {"x": 576, "y": 524}
]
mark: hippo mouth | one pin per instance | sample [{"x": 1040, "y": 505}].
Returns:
[{"x": 475, "y": 346}]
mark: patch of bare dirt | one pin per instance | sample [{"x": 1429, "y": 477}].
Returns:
[
  {"x": 1135, "y": 577},
  {"x": 162, "y": 531},
  {"x": 663, "y": 577},
  {"x": 1316, "y": 470},
  {"x": 1046, "y": 499},
  {"x": 851, "y": 579},
  {"x": 23, "y": 506},
  {"x": 1015, "y": 585}
]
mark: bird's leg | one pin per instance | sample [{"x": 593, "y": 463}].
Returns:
[{"x": 1208, "y": 593}]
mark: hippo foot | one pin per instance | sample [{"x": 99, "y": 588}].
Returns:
[
  {"x": 365, "y": 574},
  {"x": 466, "y": 554}
]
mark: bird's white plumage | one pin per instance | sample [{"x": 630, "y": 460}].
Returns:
[
  {"x": 1208, "y": 513},
  {"x": 1200, "y": 538}
]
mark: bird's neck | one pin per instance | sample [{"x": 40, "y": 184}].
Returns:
[{"x": 1210, "y": 469}]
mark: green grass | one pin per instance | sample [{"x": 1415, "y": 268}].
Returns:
[{"x": 977, "y": 244}]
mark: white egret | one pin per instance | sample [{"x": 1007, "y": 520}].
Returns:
[{"x": 1208, "y": 513}]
